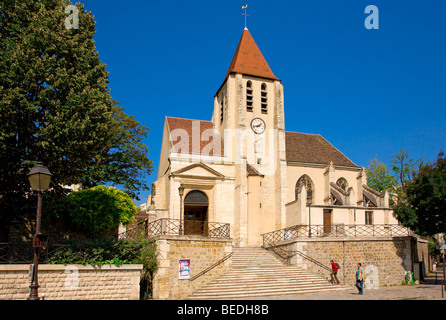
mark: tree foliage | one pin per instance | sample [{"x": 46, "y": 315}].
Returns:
[
  {"x": 416, "y": 188},
  {"x": 379, "y": 177},
  {"x": 425, "y": 208},
  {"x": 402, "y": 170},
  {"x": 56, "y": 108},
  {"x": 97, "y": 210},
  {"x": 405, "y": 168}
]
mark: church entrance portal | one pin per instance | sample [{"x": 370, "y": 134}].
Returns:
[{"x": 196, "y": 213}]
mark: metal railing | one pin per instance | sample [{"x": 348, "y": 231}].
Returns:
[
  {"x": 22, "y": 253},
  {"x": 211, "y": 267},
  {"x": 340, "y": 230},
  {"x": 167, "y": 226},
  {"x": 4, "y": 253},
  {"x": 138, "y": 231},
  {"x": 287, "y": 254}
]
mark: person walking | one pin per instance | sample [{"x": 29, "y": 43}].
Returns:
[
  {"x": 359, "y": 279},
  {"x": 334, "y": 272}
]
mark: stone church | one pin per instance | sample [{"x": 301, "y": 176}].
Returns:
[{"x": 243, "y": 168}]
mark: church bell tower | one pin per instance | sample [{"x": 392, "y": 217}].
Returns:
[{"x": 249, "y": 116}]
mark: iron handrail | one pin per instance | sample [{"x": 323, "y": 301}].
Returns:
[
  {"x": 287, "y": 254},
  {"x": 303, "y": 255},
  {"x": 140, "y": 228},
  {"x": 211, "y": 267},
  {"x": 167, "y": 226},
  {"x": 339, "y": 230}
]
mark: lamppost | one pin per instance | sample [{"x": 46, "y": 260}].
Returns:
[
  {"x": 39, "y": 178},
  {"x": 309, "y": 219},
  {"x": 181, "y": 193}
]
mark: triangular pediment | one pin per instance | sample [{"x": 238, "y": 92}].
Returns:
[{"x": 198, "y": 170}]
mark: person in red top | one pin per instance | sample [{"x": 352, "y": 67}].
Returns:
[{"x": 334, "y": 272}]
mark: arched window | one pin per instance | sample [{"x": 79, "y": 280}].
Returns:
[
  {"x": 306, "y": 182},
  {"x": 249, "y": 96},
  {"x": 196, "y": 197},
  {"x": 342, "y": 183},
  {"x": 264, "y": 98}
]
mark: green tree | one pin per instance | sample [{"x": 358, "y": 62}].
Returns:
[
  {"x": 56, "y": 107},
  {"x": 425, "y": 207},
  {"x": 405, "y": 168},
  {"x": 98, "y": 210},
  {"x": 379, "y": 177}
]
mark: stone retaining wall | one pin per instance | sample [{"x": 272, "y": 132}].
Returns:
[
  {"x": 202, "y": 253},
  {"x": 72, "y": 282},
  {"x": 385, "y": 260}
]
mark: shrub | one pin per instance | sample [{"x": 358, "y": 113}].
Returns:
[{"x": 99, "y": 209}]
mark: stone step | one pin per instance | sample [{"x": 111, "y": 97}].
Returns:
[
  {"x": 269, "y": 270},
  {"x": 267, "y": 275},
  {"x": 229, "y": 279},
  {"x": 257, "y": 272},
  {"x": 263, "y": 285},
  {"x": 266, "y": 293},
  {"x": 233, "y": 280}
]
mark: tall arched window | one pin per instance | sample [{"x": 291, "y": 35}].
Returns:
[
  {"x": 264, "y": 98},
  {"x": 249, "y": 96},
  {"x": 221, "y": 111},
  {"x": 306, "y": 182}
]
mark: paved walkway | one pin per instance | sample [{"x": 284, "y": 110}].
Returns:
[{"x": 430, "y": 289}]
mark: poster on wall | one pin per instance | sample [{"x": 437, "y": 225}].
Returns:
[{"x": 184, "y": 269}]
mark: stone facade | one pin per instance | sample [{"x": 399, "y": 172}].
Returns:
[
  {"x": 385, "y": 260},
  {"x": 72, "y": 282},
  {"x": 252, "y": 177},
  {"x": 202, "y": 253}
]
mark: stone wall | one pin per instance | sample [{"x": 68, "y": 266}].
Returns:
[
  {"x": 202, "y": 253},
  {"x": 385, "y": 260},
  {"x": 72, "y": 282}
]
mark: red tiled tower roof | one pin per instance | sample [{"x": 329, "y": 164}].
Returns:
[{"x": 248, "y": 59}]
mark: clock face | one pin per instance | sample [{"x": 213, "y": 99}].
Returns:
[{"x": 258, "y": 126}]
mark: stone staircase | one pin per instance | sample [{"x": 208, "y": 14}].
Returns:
[{"x": 256, "y": 272}]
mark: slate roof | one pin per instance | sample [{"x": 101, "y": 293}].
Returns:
[{"x": 313, "y": 148}]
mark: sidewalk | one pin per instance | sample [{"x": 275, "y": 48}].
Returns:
[{"x": 428, "y": 290}]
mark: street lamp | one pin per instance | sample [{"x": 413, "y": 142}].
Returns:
[
  {"x": 181, "y": 193},
  {"x": 39, "y": 178}
]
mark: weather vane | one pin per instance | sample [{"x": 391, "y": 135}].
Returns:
[{"x": 244, "y": 14}]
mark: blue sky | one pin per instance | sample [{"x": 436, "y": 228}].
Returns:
[{"x": 369, "y": 92}]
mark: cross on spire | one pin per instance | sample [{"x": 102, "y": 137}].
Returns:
[{"x": 244, "y": 14}]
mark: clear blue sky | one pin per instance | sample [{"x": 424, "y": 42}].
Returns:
[{"x": 369, "y": 92}]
